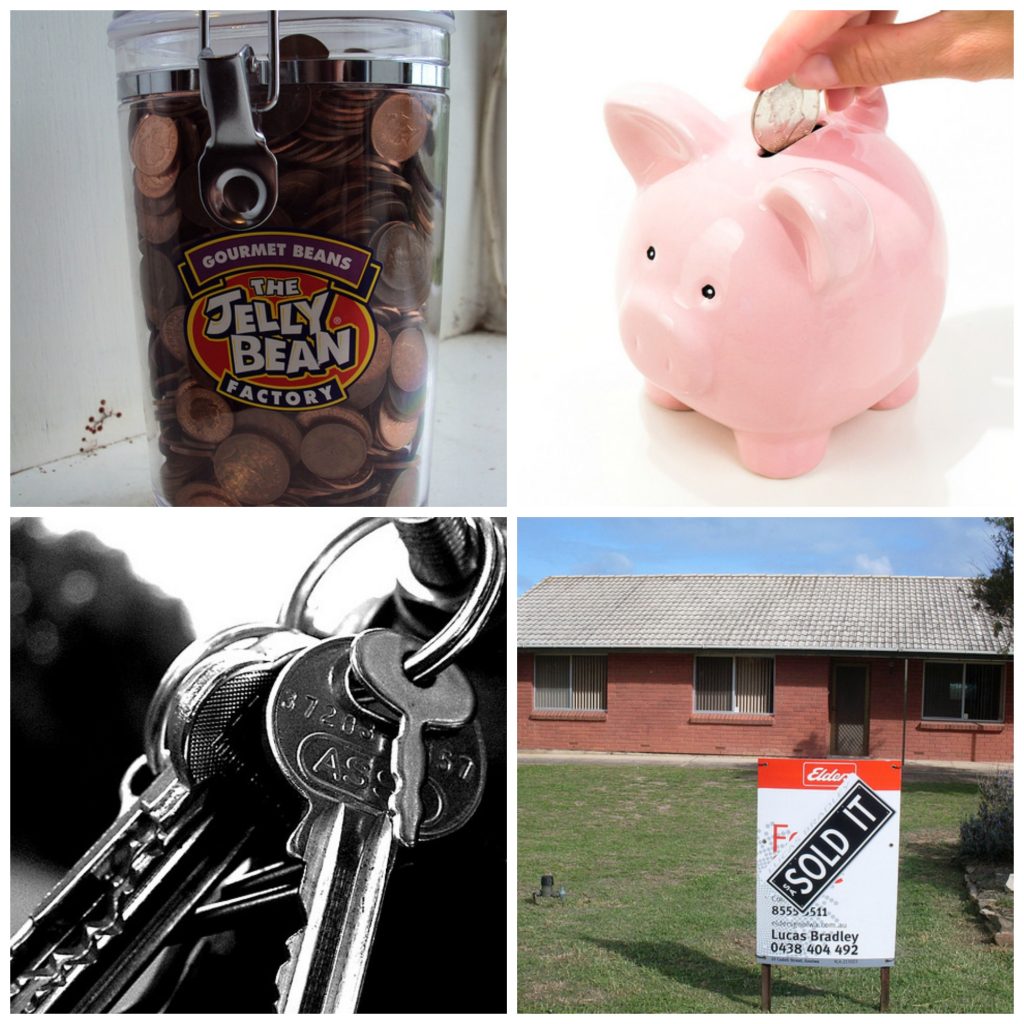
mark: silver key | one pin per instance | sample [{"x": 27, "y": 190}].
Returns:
[
  {"x": 103, "y": 923},
  {"x": 337, "y": 757},
  {"x": 449, "y": 702}
]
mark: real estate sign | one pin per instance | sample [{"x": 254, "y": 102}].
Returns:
[{"x": 827, "y": 860}]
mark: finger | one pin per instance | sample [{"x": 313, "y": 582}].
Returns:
[
  {"x": 882, "y": 17},
  {"x": 839, "y": 99},
  {"x": 956, "y": 44},
  {"x": 792, "y": 42}
]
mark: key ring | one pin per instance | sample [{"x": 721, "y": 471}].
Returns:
[{"x": 461, "y": 630}]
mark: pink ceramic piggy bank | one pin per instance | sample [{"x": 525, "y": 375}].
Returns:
[{"x": 777, "y": 295}]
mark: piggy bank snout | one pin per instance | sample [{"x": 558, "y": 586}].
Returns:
[{"x": 665, "y": 348}]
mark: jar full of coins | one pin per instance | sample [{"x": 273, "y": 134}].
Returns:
[{"x": 284, "y": 178}]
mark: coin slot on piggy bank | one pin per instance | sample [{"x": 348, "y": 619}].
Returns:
[{"x": 762, "y": 152}]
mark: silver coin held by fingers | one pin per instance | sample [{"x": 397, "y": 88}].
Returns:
[{"x": 784, "y": 114}]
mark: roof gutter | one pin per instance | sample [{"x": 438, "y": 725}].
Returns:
[{"x": 846, "y": 652}]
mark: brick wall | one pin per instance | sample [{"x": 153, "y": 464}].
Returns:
[{"x": 650, "y": 708}]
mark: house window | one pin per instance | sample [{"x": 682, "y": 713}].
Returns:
[
  {"x": 969, "y": 691},
  {"x": 570, "y": 682},
  {"x": 734, "y": 685}
]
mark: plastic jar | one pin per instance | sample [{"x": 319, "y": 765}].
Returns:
[{"x": 288, "y": 286}]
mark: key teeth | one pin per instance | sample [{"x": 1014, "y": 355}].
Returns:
[
  {"x": 121, "y": 872},
  {"x": 286, "y": 972},
  {"x": 296, "y": 846}
]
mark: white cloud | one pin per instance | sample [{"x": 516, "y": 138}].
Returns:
[
  {"x": 880, "y": 566},
  {"x": 606, "y": 563}
]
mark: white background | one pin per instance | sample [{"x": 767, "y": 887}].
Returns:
[
  {"x": 73, "y": 337},
  {"x": 584, "y": 435}
]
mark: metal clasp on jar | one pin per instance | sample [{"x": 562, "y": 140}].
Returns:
[{"x": 237, "y": 171}]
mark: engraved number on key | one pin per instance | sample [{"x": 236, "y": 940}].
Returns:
[{"x": 377, "y": 657}]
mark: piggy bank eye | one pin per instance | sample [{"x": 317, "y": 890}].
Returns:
[
  {"x": 708, "y": 291},
  {"x": 650, "y": 252}
]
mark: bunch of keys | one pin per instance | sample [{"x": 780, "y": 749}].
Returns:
[{"x": 374, "y": 732}]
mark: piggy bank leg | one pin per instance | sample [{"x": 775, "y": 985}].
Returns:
[
  {"x": 781, "y": 455},
  {"x": 659, "y": 396},
  {"x": 901, "y": 395}
]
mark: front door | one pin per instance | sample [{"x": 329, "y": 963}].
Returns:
[{"x": 849, "y": 707}]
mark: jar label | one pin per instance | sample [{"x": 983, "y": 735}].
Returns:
[{"x": 280, "y": 319}]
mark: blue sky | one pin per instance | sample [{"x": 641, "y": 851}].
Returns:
[{"x": 902, "y": 547}]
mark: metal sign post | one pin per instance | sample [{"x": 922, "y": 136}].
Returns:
[{"x": 827, "y": 862}]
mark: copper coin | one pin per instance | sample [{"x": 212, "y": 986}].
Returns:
[
  {"x": 367, "y": 388},
  {"x": 187, "y": 193},
  {"x": 405, "y": 405},
  {"x": 172, "y": 333},
  {"x": 251, "y": 468},
  {"x": 192, "y": 139},
  {"x": 174, "y": 104},
  {"x": 335, "y": 414},
  {"x": 203, "y": 494},
  {"x": 160, "y": 205},
  {"x": 175, "y": 471},
  {"x": 160, "y": 361},
  {"x": 404, "y": 255},
  {"x": 302, "y": 47},
  {"x": 288, "y": 114},
  {"x": 155, "y": 186},
  {"x": 395, "y": 433},
  {"x": 309, "y": 485},
  {"x": 161, "y": 286},
  {"x": 405, "y": 489},
  {"x": 333, "y": 450},
  {"x": 299, "y": 188},
  {"x": 159, "y": 228},
  {"x": 409, "y": 360},
  {"x": 154, "y": 145},
  {"x": 399, "y": 127},
  {"x": 204, "y": 415},
  {"x": 280, "y": 428}
]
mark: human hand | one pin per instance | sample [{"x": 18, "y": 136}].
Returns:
[{"x": 849, "y": 53}]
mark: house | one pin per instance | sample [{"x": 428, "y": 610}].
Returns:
[{"x": 813, "y": 666}]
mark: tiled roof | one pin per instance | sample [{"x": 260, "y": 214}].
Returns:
[{"x": 920, "y": 614}]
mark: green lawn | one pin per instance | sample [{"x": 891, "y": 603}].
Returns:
[{"x": 658, "y": 866}]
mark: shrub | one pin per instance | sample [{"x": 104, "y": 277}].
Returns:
[{"x": 988, "y": 835}]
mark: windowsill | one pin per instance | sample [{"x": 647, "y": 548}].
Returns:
[
  {"x": 467, "y": 467},
  {"x": 729, "y": 718},
  {"x": 568, "y": 716},
  {"x": 952, "y": 725}
]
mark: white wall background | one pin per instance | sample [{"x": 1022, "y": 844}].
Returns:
[{"x": 73, "y": 341}]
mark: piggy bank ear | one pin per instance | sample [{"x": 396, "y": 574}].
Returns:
[
  {"x": 828, "y": 219},
  {"x": 657, "y": 130}
]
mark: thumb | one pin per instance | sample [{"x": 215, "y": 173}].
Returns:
[{"x": 944, "y": 45}]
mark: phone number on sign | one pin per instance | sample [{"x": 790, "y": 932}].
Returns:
[{"x": 814, "y": 948}]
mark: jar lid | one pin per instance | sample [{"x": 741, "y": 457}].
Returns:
[
  {"x": 158, "y": 51},
  {"x": 131, "y": 24}
]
